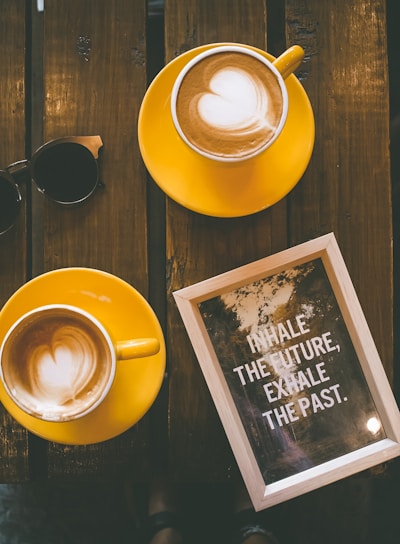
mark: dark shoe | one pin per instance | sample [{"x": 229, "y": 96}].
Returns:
[
  {"x": 159, "y": 521},
  {"x": 247, "y": 523}
]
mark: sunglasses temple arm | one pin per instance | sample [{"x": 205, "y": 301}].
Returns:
[
  {"x": 93, "y": 143},
  {"x": 19, "y": 171}
]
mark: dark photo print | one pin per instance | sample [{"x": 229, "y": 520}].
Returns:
[{"x": 292, "y": 370}]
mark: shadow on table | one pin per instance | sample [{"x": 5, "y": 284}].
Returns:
[{"x": 358, "y": 510}]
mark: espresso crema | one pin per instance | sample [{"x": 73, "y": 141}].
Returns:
[
  {"x": 229, "y": 104},
  {"x": 56, "y": 364}
]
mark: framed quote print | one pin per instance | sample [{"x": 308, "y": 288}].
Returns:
[{"x": 293, "y": 371}]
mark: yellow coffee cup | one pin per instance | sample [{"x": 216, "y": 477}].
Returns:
[{"x": 230, "y": 103}]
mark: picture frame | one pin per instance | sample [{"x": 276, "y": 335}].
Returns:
[{"x": 293, "y": 371}]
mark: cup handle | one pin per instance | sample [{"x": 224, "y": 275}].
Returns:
[
  {"x": 289, "y": 61},
  {"x": 139, "y": 347}
]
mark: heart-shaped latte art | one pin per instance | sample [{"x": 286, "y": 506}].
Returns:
[
  {"x": 60, "y": 371},
  {"x": 235, "y": 102}
]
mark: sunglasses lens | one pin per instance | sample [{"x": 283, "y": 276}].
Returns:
[
  {"x": 10, "y": 202},
  {"x": 67, "y": 172}
]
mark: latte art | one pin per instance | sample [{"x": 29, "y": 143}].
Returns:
[
  {"x": 229, "y": 104},
  {"x": 237, "y": 103},
  {"x": 56, "y": 364},
  {"x": 59, "y": 372}
]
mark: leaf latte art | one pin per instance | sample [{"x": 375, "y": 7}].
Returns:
[
  {"x": 60, "y": 371},
  {"x": 229, "y": 104},
  {"x": 56, "y": 364}
]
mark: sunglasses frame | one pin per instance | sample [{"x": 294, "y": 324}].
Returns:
[{"x": 20, "y": 171}]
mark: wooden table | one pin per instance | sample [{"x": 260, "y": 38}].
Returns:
[{"x": 82, "y": 67}]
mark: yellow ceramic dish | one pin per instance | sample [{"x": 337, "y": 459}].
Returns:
[
  {"x": 221, "y": 189},
  {"x": 122, "y": 310}
]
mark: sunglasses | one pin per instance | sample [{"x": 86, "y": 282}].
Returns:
[{"x": 65, "y": 170}]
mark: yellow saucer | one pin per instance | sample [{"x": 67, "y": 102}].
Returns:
[
  {"x": 222, "y": 190},
  {"x": 122, "y": 310}
]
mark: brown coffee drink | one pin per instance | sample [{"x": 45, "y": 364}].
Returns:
[
  {"x": 56, "y": 364},
  {"x": 230, "y": 105}
]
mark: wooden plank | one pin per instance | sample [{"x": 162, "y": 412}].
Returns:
[
  {"x": 94, "y": 80},
  {"x": 199, "y": 247},
  {"x": 12, "y": 139},
  {"x": 347, "y": 187},
  {"x": 13, "y": 244}
]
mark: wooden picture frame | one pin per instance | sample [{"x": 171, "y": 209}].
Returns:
[{"x": 293, "y": 371}]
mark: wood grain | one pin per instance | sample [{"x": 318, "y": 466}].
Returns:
[
  {"x": 347, "y": 187},
  {"x": 94, "y": 80},
  {"x": 13, "y": 244},
  {"x": 199, "y": 247},
  {"x": 93, "y": 57}
]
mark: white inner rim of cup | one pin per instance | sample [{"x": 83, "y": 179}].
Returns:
[
  {"x": 221, "y": 49},
  {"x": 77, "y": 311}
]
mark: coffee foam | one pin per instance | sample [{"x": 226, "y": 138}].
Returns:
[
  {"x": 56, "y": 365},
  {"x": 229, "y": 104}
]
